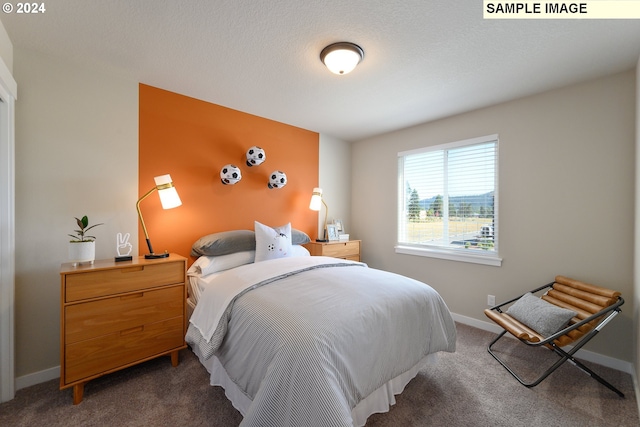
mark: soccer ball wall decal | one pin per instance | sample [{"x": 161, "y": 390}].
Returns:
[
  {"x": 255, "y": 156},
  {"x": 230, "y": 174},
  {"x": 277, "y": 179}
]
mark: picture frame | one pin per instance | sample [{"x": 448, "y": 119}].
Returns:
[
  {"x": 340, "y": 225},
  {"x": 332, "y": 232}
]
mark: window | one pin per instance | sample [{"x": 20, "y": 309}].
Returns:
[{"x": 448, "y": 199}]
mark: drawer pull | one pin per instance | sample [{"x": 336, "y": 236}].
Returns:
[
  {"x": 132, "y": 296},
  {"x": 132, "y": 269},
  {"x": 132, "y": 330}
]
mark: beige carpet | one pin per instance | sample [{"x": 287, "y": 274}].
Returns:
[{"x": 466, "y": 388}]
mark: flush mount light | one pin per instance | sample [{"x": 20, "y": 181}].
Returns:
[{"x": 341, "y": 57}]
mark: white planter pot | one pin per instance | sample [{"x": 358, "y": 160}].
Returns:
[{"x": 82, "y": 252}]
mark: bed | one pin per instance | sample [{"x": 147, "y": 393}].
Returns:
[{"x": 299, "y": 341}]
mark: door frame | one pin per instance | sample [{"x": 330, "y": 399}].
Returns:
[{"x": 8, "y": 95}]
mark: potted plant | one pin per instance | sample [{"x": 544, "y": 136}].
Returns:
[{"x": 83, "y": 247}]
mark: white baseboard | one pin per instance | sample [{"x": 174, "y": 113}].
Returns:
[
  {"x": 37, "y": 377},
  {"x": 589, "y": 356}
]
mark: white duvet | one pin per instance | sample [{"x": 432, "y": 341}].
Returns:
[{"x": 308, "y": 338}]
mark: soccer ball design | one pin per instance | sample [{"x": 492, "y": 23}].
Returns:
[
  {"x": 230, "y": 174},
  {"x": 255, "y": 156},
  {"x": 277, "y": 179}
]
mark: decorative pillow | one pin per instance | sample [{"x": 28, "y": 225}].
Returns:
[
  {"x": 206, "y": 265},
  {"x": 272, "y": 243},
  {"x": 226, "y": 242},
  {"x": 541, "y": 316}
]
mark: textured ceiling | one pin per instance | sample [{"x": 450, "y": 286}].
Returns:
[{"x": 424, "y": 60}]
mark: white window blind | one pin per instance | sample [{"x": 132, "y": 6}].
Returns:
[{"x": 447, "y": 201}]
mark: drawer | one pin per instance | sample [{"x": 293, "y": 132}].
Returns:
[
  {"x": 99, "y": 283},
  {"x": 342, "y": 249},
  {"x": 91, "y": 358},
  {"x": 101, "y": 317}
]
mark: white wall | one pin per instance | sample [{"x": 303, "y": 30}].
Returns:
[
  {"x": 335, "y": 181},
  {"x": 76, "y": 154},
  {"x": 566, "y": 188}
]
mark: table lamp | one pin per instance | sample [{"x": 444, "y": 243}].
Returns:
[
  {"x": 169, "y": 199},
  {"x": 315, "y": 205}
]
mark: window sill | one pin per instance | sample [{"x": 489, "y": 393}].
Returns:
[{"x": 492, "y": 259}]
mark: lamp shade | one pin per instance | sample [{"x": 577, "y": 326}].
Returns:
[
  {"x": 341, "y": 58},
  {"x": 316, "y": 199},
  {"x": 167, "y": 192}
]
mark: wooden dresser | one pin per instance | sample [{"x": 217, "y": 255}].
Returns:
[
  {"x": 117, "y": 314},
  {"x": 349, "y": 249}
]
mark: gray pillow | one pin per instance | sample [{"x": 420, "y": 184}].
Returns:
[
  {"x": 299, "y": 237},
  {"x": 228, "y": 242},
  {"x": 224, "y": 243},
  {"x": 541, "y": 316}
]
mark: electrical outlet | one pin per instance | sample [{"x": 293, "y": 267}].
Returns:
[{"x": 491, "y": 300}]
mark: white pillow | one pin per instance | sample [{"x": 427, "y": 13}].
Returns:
[
  {"x": 272, "y": 243},
  {"x": 298, "y": 250},
  {"x": 206, "y": 265}
]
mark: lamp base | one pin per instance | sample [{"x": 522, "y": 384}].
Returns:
[{"x": 157, "y": 256}]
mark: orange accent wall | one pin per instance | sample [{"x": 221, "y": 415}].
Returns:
[{"x": 192, "y": 140}]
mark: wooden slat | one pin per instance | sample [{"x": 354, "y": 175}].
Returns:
[
  {"x": 581, "y": 313},
  {"x": 574, "y": 301},
  {"x": 587, "y": 287},
  {"x": 599, "y": 300}
]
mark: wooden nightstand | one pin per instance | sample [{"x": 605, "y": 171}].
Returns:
[
  {"x": 339, "y": 249},
  {"x": 115, "y": 315}
]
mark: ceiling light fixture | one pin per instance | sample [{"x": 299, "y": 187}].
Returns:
[{"x": 341, "y": 57}]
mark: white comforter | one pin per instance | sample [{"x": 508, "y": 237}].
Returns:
[{"x": 307, "y": 338}]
